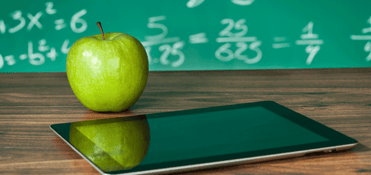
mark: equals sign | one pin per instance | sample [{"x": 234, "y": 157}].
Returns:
[
  {"x": 198, "y": 38},
  {"x": 281, "y": 43}
]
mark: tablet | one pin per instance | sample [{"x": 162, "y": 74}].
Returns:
[{"x": 198, "y": 138}]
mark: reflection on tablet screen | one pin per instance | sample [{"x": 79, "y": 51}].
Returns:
[{"x": 184, "y": 137}]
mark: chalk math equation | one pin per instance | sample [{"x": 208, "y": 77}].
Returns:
[
  {"x": 38, "y": 51},
  {"x": 234, "y": 41}
]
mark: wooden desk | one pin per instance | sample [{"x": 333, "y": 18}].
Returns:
[{"x": 338, "y": 98}]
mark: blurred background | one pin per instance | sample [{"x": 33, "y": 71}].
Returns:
[{"x": 35, "y": 36}]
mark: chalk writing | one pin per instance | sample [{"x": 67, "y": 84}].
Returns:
[
  {"x": 195, "y": 3},
  {"x": 169, "y": 47},
  {"x": 280, "y": 42},
  {"x": 198, "y": 38},
  {"x": 311, "y": 40},
  {"x": 367, "y": 37},
  {"x": 38, "y": 52},
  {"x": 243, "y": 2},
  {"x": 49, "y": 8},
  {"x": 235, "y": 32}
]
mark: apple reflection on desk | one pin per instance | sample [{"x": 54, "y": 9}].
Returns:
[{"x": 112, "y": 144}]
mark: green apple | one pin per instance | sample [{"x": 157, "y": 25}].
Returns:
[
  {"x": 107, "y": 72},
  {"x": 112, "y": 144}
]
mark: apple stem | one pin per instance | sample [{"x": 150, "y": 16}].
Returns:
[{"x": 101, "y": 29}]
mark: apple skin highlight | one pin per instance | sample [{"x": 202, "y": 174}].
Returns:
[{"x": 107, "y": 75}]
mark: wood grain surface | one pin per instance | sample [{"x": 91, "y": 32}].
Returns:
[{"x": 338, "y": 98}]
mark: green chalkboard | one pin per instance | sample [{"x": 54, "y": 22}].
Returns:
[{"x": 192, "y": 34}]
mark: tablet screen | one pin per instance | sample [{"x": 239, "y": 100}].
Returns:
[
  {"x": 221, "y": 133},
  {"x": 197, "y": 136}
]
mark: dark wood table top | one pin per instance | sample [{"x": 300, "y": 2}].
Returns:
[{"x": 338, "y": 98}]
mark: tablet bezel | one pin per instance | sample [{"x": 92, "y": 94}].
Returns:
[{"x": 335, "y": 139}]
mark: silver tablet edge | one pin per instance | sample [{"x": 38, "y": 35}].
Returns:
[
  {"x": 243, "y": 160},
  {"x": 219, "y": 163}
]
